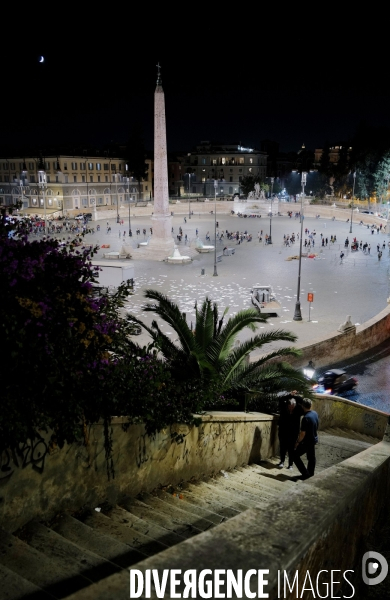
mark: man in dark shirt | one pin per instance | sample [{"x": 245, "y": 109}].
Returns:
[
  {"x": 307, "y": 440},
  {"x": 289, "y": 425}
]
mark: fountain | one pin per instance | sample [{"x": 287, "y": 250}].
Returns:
[{"x": 177, "y": 258}]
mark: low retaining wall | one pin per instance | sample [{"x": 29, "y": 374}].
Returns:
[
  {"x": 38, "y": 481},
  {"x": 340, "y": 412},
  {"x": 335, "y": 347}
]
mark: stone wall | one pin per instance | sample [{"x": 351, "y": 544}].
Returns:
[
  {"x": 42, "y": 479},
  {"x": 340, "y": 412},
  {"x": 336, "y": 347}
]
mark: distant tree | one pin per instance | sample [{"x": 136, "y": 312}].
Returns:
[
  {"x": 318, "y": 185},
  {"x": 382, "y": 176},
  {"x": 365, "y": 182},
  {"x": 135, "y": 156}
]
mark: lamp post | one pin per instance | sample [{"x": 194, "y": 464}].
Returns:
[
  {"x": 353, "y": 196},
  {"x": 128, "y": 195},
  {"x": 270, "y": 215},
  {"x": 117, "y": 199},
  {"x": 22, "y": 182},
  {"x": 215, "y": 274},
  {"x": 189, "y": 198},
  {"x": 297, "y": 314},
  {"x": 42, "y": 183},
  {"x": 309, "y": 370}
]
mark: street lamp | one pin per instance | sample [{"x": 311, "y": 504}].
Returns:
[
  {"x": 215, "y": 274},
  {"x": 22, "y": 182},
  {"x": 128, "y": 196},
  {"x": 270, "y": 215},
  {"x": 42, "y": 183},
  {"x": 309, "y": 370},
  {"x": 297, "y": 314},
  {"x": 117, "y": 199},
  {"x": 189, "y": 198},
  {"x": 353, "y": 195}
]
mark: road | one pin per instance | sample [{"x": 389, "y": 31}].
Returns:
[{"x": 372, "y": 370}]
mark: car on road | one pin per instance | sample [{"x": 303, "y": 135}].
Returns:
[{"x": 335, "y": 382}]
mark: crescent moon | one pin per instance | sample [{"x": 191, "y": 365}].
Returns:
[{"x": 41, "y": 59}]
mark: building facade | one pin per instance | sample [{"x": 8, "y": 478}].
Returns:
[
  {"x": 225, "y": 163},
  {"x": 334, "y": 154},
  {"x": 72, "y": 183}
]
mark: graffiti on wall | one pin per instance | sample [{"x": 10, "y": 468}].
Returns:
[{"x": 31, "y": 453}]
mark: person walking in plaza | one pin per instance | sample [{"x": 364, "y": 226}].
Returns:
[
  {"x": 307, "y": 440},
  {"x": 289, "y": 423}
]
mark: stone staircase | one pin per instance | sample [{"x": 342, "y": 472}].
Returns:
[{"x": 75, "y": 555}]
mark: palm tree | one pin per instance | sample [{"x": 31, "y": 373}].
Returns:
[{"x": 212, "y": 353}]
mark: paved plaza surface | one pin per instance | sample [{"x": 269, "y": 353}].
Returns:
[{"x": 357, "y": 286}]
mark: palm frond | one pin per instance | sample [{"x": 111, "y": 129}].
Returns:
[
  {"x": 274, "y": 378},
  {"x": 236, "y": 355},
  {"x": 205, "y": 324},
  {"x": 169, "y": 312}
]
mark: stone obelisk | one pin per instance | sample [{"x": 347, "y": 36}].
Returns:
[{"x": 161, "y": 244}]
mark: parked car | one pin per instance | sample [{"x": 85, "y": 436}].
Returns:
[{"x": 335, "y": 382}]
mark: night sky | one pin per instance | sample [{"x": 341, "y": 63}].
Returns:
[{"x": 231, "y": 77}]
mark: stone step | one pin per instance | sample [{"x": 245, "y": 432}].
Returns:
[
  {"x": 351, "y": 434},
  {"x": 187, "y": 518},
  {"x": 259, "y": 480},
  {"x": 174, "y": 501},
  {"x": 229, "y": 496},
  {"x": 15, "y": 587},
  {"x": 207, "y": 502},
  {"x": 151, "y": 530},
  {"x": 246, "y": 491},
  {"x": 55, "y": 546},
  {"x": 54, "y": 577},
  {"x": 88, "y": 555},
  {"x": 234, "y": 500},
  {"x": 150, "y": 515},
  {"x": 124, "y": 534},
  {"x": 348, "y": 444},
  {"x": 92, "y": 540},
  {"x": 271, "y": 471}
]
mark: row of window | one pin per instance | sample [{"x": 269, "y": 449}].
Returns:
[
  {"x": 32, "y": 166},
  {"x": 232, "y": 161},
  {"x": 31, "y": 179},
  {"x": 92, "y": 166}
]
